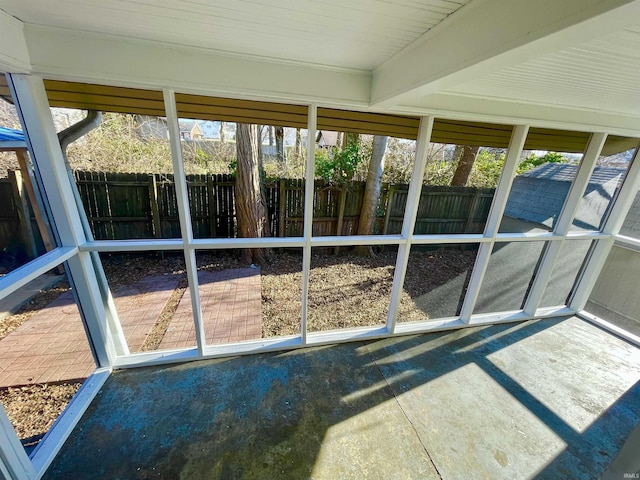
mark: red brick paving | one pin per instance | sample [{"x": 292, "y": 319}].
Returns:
[
  {"x": 231, "y": 309},
  {"x": 52, "y": 346}
]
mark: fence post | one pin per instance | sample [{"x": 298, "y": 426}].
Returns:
[
  {"x": 387, "y": 214},
  {"x": 282, "y": 205},
  {"x": 341, "y": 204},
  {"x": 155, "y": 211},
  {"x": 212, "y": 204},
  {"x": 472, "y": 211},
  {"x": 36, "y": 203},
  {"x": 24, "y": 217}
]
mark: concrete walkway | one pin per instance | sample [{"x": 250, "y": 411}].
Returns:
[{"x": 541, "y": 399}]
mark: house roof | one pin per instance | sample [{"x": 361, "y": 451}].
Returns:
[
  {"x": 538, "y": 195},
  {"x": 330, "y": 138},
  {"x": 562, "y": 172}
]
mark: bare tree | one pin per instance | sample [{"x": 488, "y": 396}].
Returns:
[
  {"x": 467, "y": 157},
  {"x": 223, "y": 137},
  {"x": 279, "y": 132},
  {"x": 251, "y": 208},
  {"x": 372, "y": 192},
  {"x": 298, "y": 143}
]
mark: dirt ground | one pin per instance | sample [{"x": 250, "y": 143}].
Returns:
[{"x": 345, "y": 291}]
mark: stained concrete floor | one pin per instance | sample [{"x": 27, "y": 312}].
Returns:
[{"x": 542, "y": 399}]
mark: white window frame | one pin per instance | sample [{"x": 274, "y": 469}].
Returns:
[{"x": 107, "y": 341}]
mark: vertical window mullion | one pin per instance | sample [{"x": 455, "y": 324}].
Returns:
[
  {"x": 569, "y": 210},
  {"x": 309, "y": 186},
  {"x": 612, "y": 226},
  {"x": 184, "y": 215},
  {"x": 514, "y": 151},
  {"x": 33, "y": 109},
  {"x": 409, "y": 221}
]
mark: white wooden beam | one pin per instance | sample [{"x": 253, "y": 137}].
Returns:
[
  {"x": 508, "y": 111},
  {"x": 96, "y": 58},
  {"x": 14, "y": 56},
  {"x": 487, "y": 35}
]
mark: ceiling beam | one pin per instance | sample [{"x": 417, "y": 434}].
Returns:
[
  {"x": 14, "y": 56},
  {"x": 510, "y": 112},
  {"x": 62, "y": 54},
  {"x": 487, "y": 35}
]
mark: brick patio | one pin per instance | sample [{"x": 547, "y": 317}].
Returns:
[
  {"x": 52, "y": 346},
  {"x": 231, "y": 309}
]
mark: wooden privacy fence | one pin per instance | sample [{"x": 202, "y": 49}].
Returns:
[
  {"x": 20, "y": 237},
  {"x": 129, "y": 206}
]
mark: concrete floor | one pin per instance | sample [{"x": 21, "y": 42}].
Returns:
[{"x": 543, "y": 399}]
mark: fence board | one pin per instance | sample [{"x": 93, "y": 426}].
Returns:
[{"x": 122, "y": 206}]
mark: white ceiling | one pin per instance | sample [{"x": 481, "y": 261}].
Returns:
[
  {"x": 602, "y": 74},
  {"x": 572, "y": 63},
  {"x": 359, "y": 34}
]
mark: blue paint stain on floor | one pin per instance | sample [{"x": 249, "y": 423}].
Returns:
[{"x": 268, "y": 415}]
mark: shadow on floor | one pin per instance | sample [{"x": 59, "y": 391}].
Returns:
[{"x": 552, "y": 399}]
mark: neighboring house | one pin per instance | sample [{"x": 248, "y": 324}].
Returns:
[
  {"x": 327, "y": 139},
  {"x": 210, "y": 129},
  {"x": 538, "y": 195},
  {"x": 150, "y": 127},
  {"x": 190, "y": 130}
]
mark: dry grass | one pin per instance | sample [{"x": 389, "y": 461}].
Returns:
[
  {"x": 348, "y": 291},
  {"x": 33, "y": 409}
]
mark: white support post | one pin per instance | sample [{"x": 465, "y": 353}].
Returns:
[
  {"x": 310, "y": 173},
  {"x": 599, "y": 254},
  {"x": 410, "y": 214},
  {"x": 571, "y": 205},
  {"x": 115, "y": 326},
  {"x": 182, "y": 200},
  {"x": 34, "y": 112},
  {"x": 514, "y": 152},
  {"x": 14, "y": 461}
]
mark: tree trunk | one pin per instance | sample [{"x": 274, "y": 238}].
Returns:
[
  {"x": 349, "y": 138},
  {"x": 259, "y": 148},
  {"x": 372, "y": 192},
  {"x": 280, "y": 143},
  {"x": 223, "y": 138},
  {"x": 251, "y": 210},
  {"x": 465, "y": 165},
  {"x": 271, "y": 142},
  {"x": 298, "y": 143}
]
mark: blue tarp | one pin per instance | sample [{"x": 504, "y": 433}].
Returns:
[{"x": 10, "y": 135}]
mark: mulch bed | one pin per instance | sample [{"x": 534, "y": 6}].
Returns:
[{"x": 345, "y": 291}]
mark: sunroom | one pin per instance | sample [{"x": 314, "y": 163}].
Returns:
[{"x": 489, "y": 330}]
